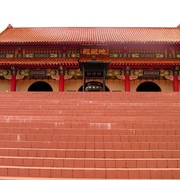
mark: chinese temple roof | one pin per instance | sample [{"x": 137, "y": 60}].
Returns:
[
  {"x": 89, "y": 35},
  {"x": 71, "y": 61}
]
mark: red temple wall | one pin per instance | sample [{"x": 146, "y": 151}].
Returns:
[
  {"x": 5, "y": 85},
  {"x": 114, "y": 85}
]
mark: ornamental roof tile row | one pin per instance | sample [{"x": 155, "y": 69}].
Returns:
[
  {"x": 39, "y": 61},
  {"x": 113, "y": 62},
  {"x": 89, "y": 35}
]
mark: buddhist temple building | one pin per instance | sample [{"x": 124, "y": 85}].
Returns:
[
  {"x": 74, "y": 129},
  {"x": 90, "y": 59}
]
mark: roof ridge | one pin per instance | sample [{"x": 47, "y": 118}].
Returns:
[
  {"x": 92, "y": 27},
  {"x": 90, "y": 35}
]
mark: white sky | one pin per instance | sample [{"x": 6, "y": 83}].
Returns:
[{"x": 68, "y": 13}]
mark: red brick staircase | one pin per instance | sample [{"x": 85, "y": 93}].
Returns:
[{"x": 90, "y": 135}]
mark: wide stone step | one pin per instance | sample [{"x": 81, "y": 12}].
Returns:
[
  {"x": 91, "y": 145},
  {"x": 90, "y": 138},
  {"x": 90, "y": 162},
  {"x": 90, "y": 135},
  {"x": 87, "y": 153},
  {"x": 114, "y": 173},
  {"x": 52, "y": 126}
]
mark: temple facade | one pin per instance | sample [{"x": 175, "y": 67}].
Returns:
[{"x": 90, "y": 59}]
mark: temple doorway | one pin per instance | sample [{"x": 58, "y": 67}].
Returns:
[
  {"x": 148, "y": 87},
  {"x": 93, "y": 86},
  {"x": 40, "y": 86}
]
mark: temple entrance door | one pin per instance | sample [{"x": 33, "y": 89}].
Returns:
[
  {"x": 94, "y": 69},
  {"x": 148, "y": 87},
  {"x": 93, "y": 86},
  {"x": 40, "y": 86}
]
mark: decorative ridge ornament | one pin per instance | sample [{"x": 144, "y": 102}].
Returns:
[{"x": 9, "y": 26}]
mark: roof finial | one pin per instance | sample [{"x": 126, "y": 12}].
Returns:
[{"x": 9, "y": 26}]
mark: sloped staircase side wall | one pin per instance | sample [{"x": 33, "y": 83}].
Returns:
[{"x": 90, "y": 135}]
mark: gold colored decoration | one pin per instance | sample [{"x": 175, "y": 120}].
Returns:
[
  {"x": 94, "y": 51},
  {"x": 6, "y": 73},
  {"x": 19, "y": 76},
  {"x": 7, "y": 53},
  {"x": 56, "y": 77},
  {"x": 42, "y": 53},
  {"x": 137, "y": 72},
  {"x": 8, "y": 76},
  {"x": 121, "y": 77},
  {"x": 163, "y": 73},
  {"x": 166, "y": 73},
  {"x": 169, "y": 78},
  {"x": 159, "y": 55},
  {"x": 74, "y": 72},
  {"x": 51, "y": 72},
  {"x": 135, "y": 55},
  {"x": 66, "y": 77},
  {"x": 53, "y": 55},
  {"x": 23, "y": 72},
  {"x": 74, "y": 53},
  {"x": 133, "y": 77},
  {"x": 113, "y": 73},
  {"x": 30, "y": 55},
  {"x": 116, "y": 53}
]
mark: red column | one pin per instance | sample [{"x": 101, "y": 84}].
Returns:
[
  {"x": 61, "y": 79},
  {"x": 127, "y": 83},
  {"x": 13, "y": 79},
  {"x": 175, "y": 84},
  {"x": 175, "y": 79},
  {"x": 127, "y": 73},
  {"x": 61, "y": 83}
]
